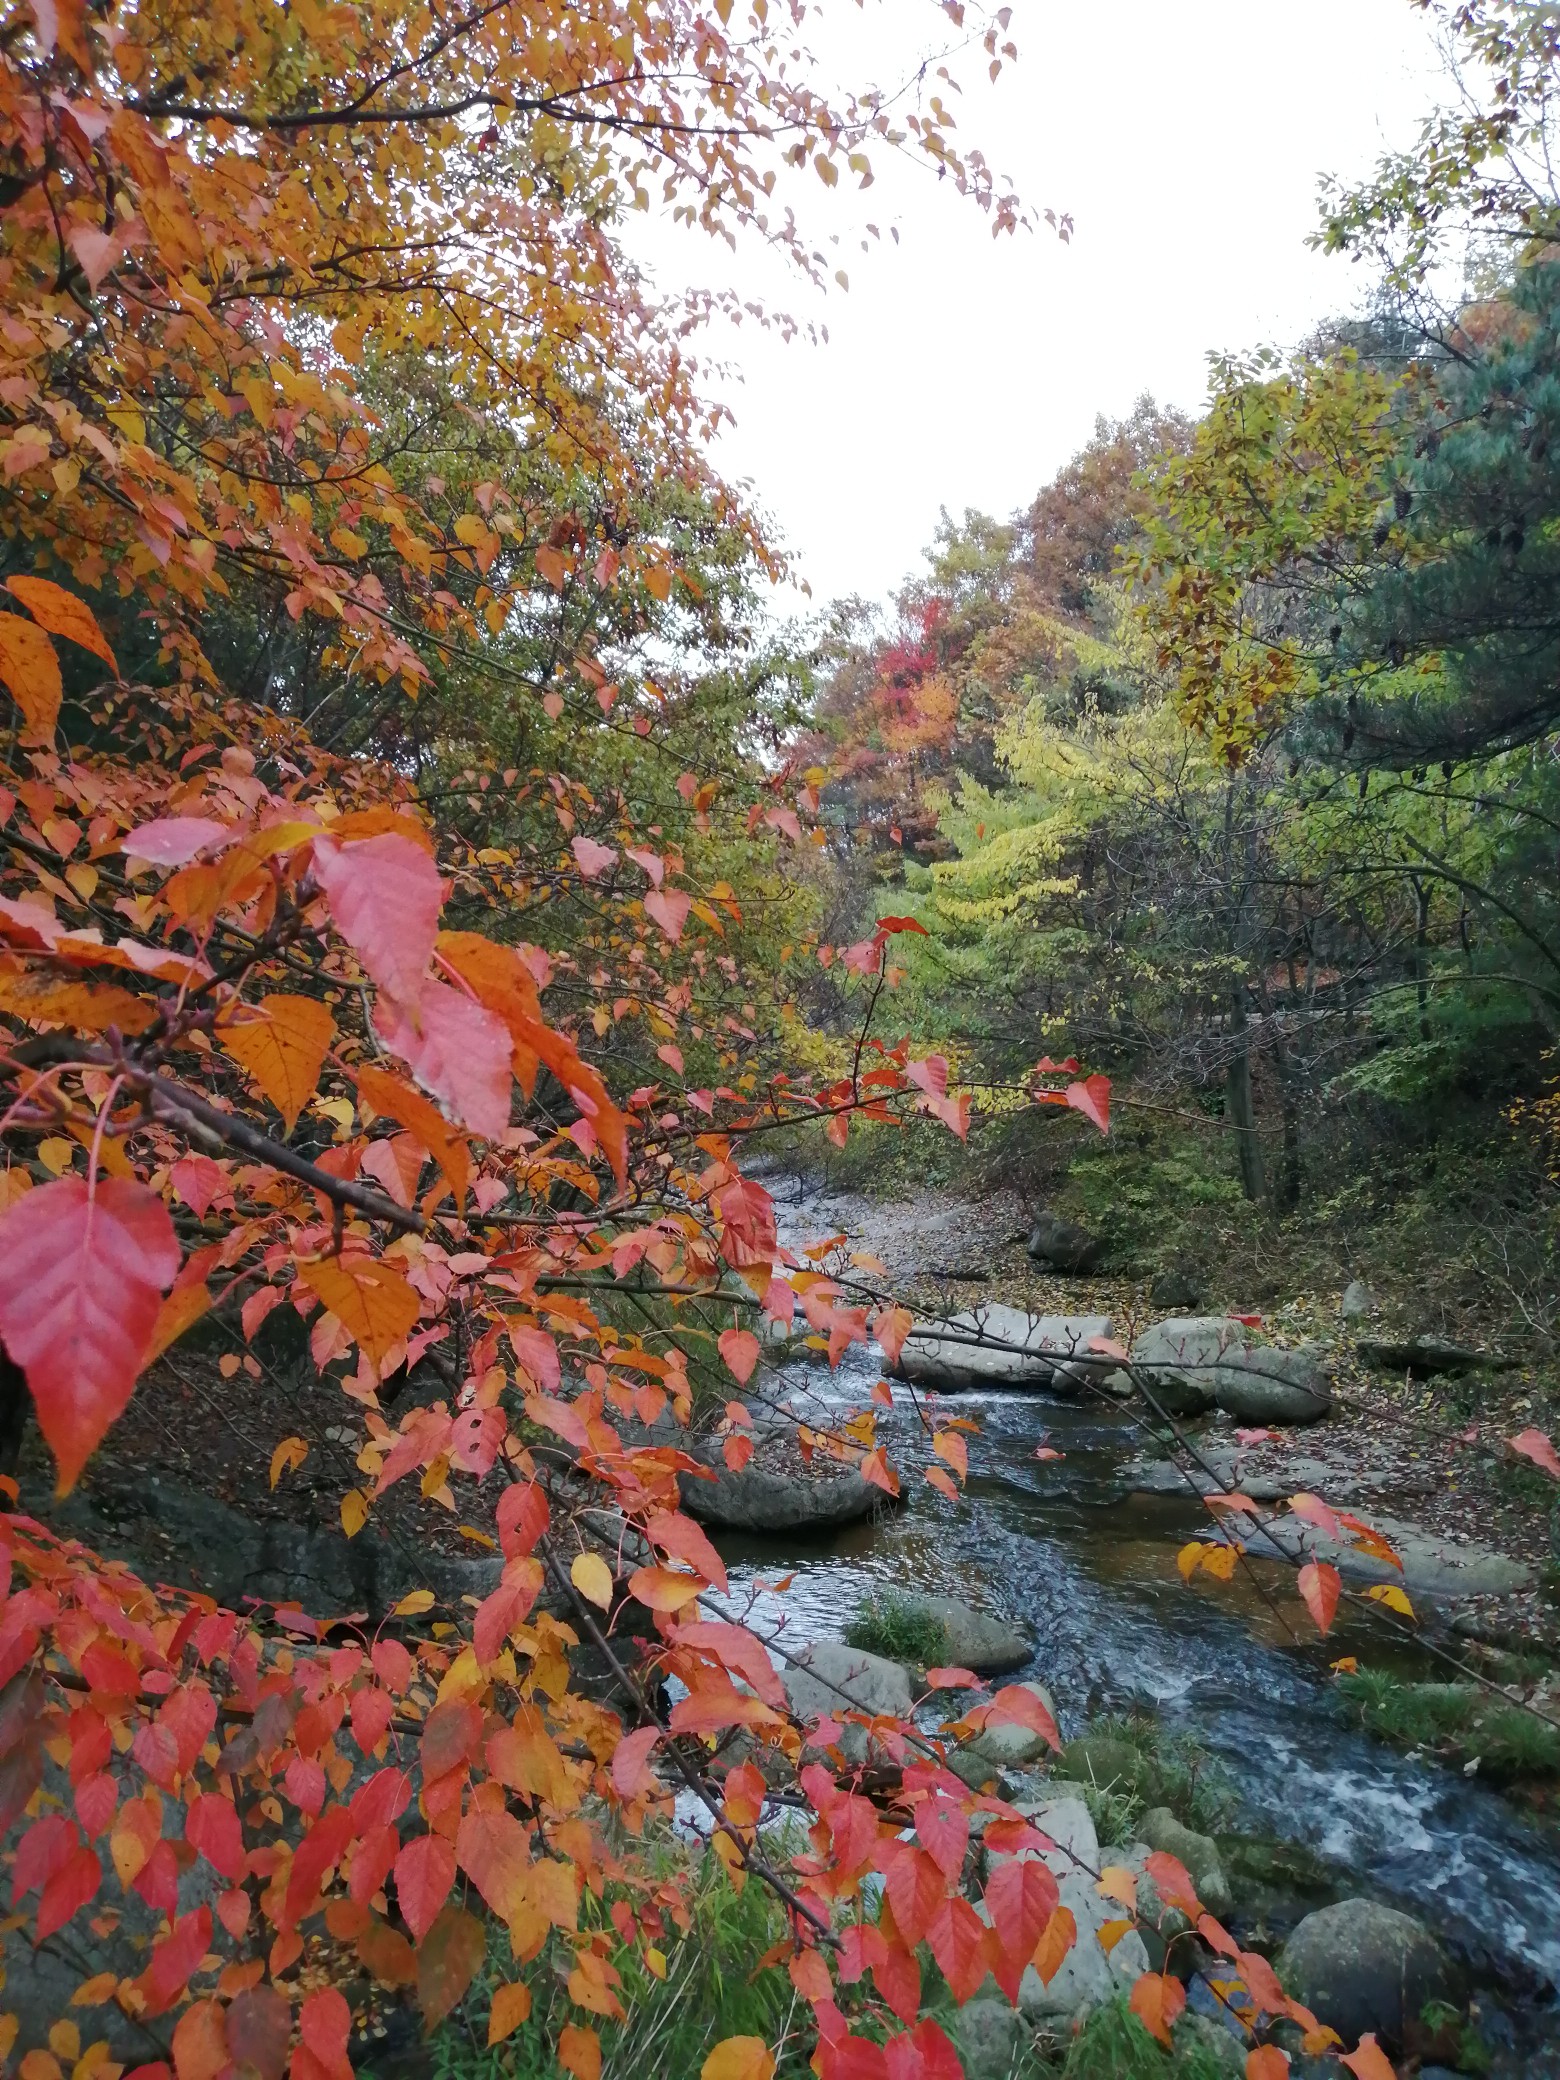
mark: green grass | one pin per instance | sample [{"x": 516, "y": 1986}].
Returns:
[
  {"x": 898, "y": 1630},
  {"x": 1179, "y": 1772},
  {"x": 1455, "y": 1721},
  {"x": 710, "y": 1991},
  {"x": 1114, "y": 2045}
]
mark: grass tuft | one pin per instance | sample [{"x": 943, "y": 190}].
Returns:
[{"x": 898, "y": 1630}]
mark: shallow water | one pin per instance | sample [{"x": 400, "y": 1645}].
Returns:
[{"x": 1055, "y": 1545}]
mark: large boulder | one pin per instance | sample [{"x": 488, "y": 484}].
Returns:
[
  {"x": 1191, "y": 1363},
  {"x": 827, "y": 1679},
  {"x": 1425, "y": 1356},
  {"x": 1177, "y": 1287},
  {"x": 998, "y": 1346},
  {"x": 1361, "y": 1966},
  {"x": 1062, "y": 1245},
  {"x": 972, "y": 1639},
  {"x": 1105, "y": 1762},
  {"x": 1089, "y": 1975},
  {"x": 779, "y": 1498}
]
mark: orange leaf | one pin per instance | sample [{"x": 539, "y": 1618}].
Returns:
[
  {"x": 950, "y": 1447},
  {"x": 62, "y": 614},
  {"x": 942, "y": 1482},
  {"x": 511, "y": 2007},
  {"x": 1320, "y": 1584},
  {"x": 579, "y": 2052},
  {"x": 31, "y": 672},
  {"x": 1157, "y": 1999},
  {"x": 395, "y": 1099},
  {"x": 1057, "y": 1938},
  {"x": 662, "y": 1589},
  {"x": 181, "y": 1310},
  {"x": 371, "y": 1298},
  {"x": 1091, "y": 1097},
  {"x": 1267, "y": 2062},
  {"x": 739, "y": 2058},
  {"x": 1368, "y": 2061},
  {"x": 283, "y": 1048}
]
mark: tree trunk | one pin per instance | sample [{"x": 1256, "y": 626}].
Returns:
[{"x": 1239, "y": 1107}]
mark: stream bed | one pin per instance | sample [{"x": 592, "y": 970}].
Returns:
[{"x": 1090, "y": 1571}]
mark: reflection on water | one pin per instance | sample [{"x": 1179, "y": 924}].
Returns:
[{"x": 1092, "y": 1574}]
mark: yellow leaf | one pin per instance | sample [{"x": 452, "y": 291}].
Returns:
[
  {"x": 1392, "y": 1596},
  {"x": 370, "y": 1297},
  {"x": 739, "y": 2058},
  {"x": 591, "y": 1575},
  {"x": 31, "y": 672},
  {"x": 655, "y": 1962},
  {"x": 1111, "y": 1934},
  {"x": 1118, "y": 1883},
  {"x": 414, "y": 1603},
  {"x": 288, "y": 1457},
  {"x": 56, "y": 1154},
  {"x": 282, "y": 1043},
  {"x": 354, "y": 1511},
  {"x": 511, "y": 2007},
  {"x": 92, "y": 1993}
]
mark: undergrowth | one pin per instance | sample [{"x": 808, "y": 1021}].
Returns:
[{"x": 1457, "y": 1722}]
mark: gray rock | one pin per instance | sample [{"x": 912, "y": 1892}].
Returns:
[
  {"x": 1062, "y": 1244},
  {"x": 1427, "y": 1355},
  {"x": 989, "y": 2035},
  {"x": 999, "y": 1346},
  {"x": 1431, "y": 1564},
  {"x": 1175, "y": 1287},
  {"x": 1190, "y": 1363},
  {"x": 1197, "y": 1853},
  {"x": 1358, "y": 1301},
  {"x": 1265, "y": 1385},
  {"x": 772, "y": 1499},
  {"x": 830, "y": 1679},
  {"x": 1089, "y": 1975},
  {"x": 1360, "y": 1966},
  {"x": 1010, "y": 1747},
  {"x": 973, "y": 1639},
  {"x": 1213, "y": 2048}
]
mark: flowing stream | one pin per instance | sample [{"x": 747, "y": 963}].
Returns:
[{"x": 1056, "y": 1545}]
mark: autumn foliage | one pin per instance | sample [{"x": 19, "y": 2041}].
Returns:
[{"x": 275, "y": 1040}]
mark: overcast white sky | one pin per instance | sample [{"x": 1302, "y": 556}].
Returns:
[{"x": 1186, "y": 138}]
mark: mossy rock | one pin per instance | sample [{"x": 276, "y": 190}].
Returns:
[{"x": 1109, "y": 1763}]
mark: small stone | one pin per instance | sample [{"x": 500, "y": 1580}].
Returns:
[{"x": 1358, "y": 1301}]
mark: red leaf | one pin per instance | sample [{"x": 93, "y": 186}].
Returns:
[
  {"x": 593, "y": 859},
  {"x": 959, "y": 1942},
  {"x": 632, "y": 1776},
  {"x": 916, "y": 1889},
  {"x": 1319, "y": 1584},
  {"x": 324, "y": 2024},
  {"x": 384, "y": 895},
  {"x": 424, "y": 1873},
  {"x": 684, "y": 1540},
  {"x": 84, "y": 1276},
  {"x": 1091, "y": 1097},
  {"x": 1267, "y": 2062},
  {"x": 669, "y": 907},
  {"x": 1021, "y": 1898},
  {"x": 457, "y": 1051},
  {"x": 1016, "y": 1706},
  {"x": 1534, "y": 1445},
  {"x": 1173, "y": 1883},
  {"x": 447, "y": 1962},
  {"x": 171, "y": 841},
  {"x": 522, "y": 1514},
  {"x": 213, "y": 1828},
  {"x": 73, "y": 1886},
  {"x": 259, "y": 2023},
  {"x": 740, "y": 1348},
  {"x": 901, "y": 924},
  {"x": 944, "y": 1831},
  {"x": 1312, "y": 1510}
]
